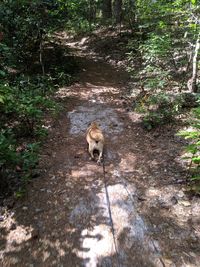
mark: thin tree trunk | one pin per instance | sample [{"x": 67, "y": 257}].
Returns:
[
  {"x": 192, "y": 83},
  {"x": 189, "y": 62},
  {"x": 107, "y": 9},
  {"x": 117, "y": 11},
  {"x": 131, "y": 14},
  {"x": 41, "y": 56},
  {"x": 92, "y": 13}
]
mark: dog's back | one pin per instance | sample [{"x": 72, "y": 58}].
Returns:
[
  {"x": 94, "y": 133},
  {"x": 95, "y": 139}
]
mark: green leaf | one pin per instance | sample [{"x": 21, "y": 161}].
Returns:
[
  {"x": 2, "y": 73},
  {"x": 194, "y": 178},
  {"x": 196, "y": 160},
  {"x": 2, "y": 99},
  {"x": 193, "y": 2}
]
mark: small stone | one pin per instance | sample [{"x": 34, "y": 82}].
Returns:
[
  {"x": 9, "y": 203},
  {"x": 156, "y": 134},
  {"x": 164, "y": 205},
  {"x": 180, "y": 194},
  {"x": 13, "y": 226},
  {"x": 53, "y": 234},
  {"x": 140, "y": 198},
  {"x": 18, "y": 168},
  {"x": 171, "y": 236},
  {"x": 38, "y": 210},
  {"x": 24, "y": 208},
  {"x": 14, "y": 242},
  {"x": 192, "y": 254},
  {"x": 174, "y": 200},
  {"x": 185, "y": 203},
  {"x": 12, "y": 214},
  {"x": 168, "y": 263},
  {"x": 34, "y": 234},
  {"x": 36, "y": 175}
]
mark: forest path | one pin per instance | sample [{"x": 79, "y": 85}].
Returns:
[{"x": 138, "y": 216}]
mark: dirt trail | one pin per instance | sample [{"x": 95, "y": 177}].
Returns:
[{"x": 138, "y": 216}]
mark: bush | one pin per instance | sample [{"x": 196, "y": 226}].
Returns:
[
  {"x": 17, "y": 162},
  {"x": 32, "y": 66},
  {"x": 193, "y": 149},
  {"x": 160, "y": 109},
  {"x": 23, "y": 102}
]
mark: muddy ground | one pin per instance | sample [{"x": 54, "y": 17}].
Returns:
[{"x": 136, "y": 215}]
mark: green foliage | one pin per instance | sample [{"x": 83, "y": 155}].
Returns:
[
  {"x": 160, "y": 109},
  {"x": 165, "y": 34},
  {"x": 29, "y": 158},
  {"x": 8, "y": 155},
  {"x": 16, "y": 160},
  {"x": 26, "y": 91},
  {"x": 24, "y": 101},
  {"x": 156, "y": 47},
  {"x": 22, "y": 110},
  {"x": 193, "y": 149},
  {"x": 25, "y": 104},
  {"x": 82, "y": 14},
  {"x": 25, "y": 24}
]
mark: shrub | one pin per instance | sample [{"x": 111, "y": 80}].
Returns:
[
  {"x": 17, "y": 162},
  {"x": 160, "y": 109},
  {"x": 193, "y": 149}
]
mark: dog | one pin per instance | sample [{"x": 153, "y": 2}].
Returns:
[{"x": 95, "y": 139}]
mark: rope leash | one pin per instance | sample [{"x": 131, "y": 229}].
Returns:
[
  {"x": 110, "y": 214},
  {"x": 111, "y": 220}
]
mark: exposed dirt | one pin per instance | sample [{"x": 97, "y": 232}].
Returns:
[{"x": 137, "y": 215}]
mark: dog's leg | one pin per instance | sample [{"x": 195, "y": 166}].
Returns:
[
  {"x": 100, "y": 156},
  {"x": 91, "y": 150}
]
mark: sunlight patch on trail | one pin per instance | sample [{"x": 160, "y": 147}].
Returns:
[
  {"x": 87, "y": 91},
  {"x": 130, "y": 230},
  {"x": 15, "y": 239}
]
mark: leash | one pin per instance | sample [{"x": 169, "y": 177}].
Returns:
[
  {"x": 111, "y": 220},
  {"x": 110, "y": 214}
]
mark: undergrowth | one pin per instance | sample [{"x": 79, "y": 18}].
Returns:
[
  {"x": 193, "y": 150},
  {"x": 25, "y": 99}
]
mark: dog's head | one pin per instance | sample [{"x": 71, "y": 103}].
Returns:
[{"x": 94, "y": 124}]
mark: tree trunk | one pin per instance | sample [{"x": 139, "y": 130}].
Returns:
[
  {"x": 107, "y": 9},
  {"x": 92, "y": 13},
  {"x": 117, "y": 10},
  {"x": 192, "y": 83},
  {"x": 131, "y": 14}
]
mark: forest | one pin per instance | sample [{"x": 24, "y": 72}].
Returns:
[{"x": 133, "y": 66}]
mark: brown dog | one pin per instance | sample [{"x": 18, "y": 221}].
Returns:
[{"x": 95, "y": 139}]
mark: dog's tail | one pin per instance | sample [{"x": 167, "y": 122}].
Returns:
[{"x": 96, "y": 136}]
